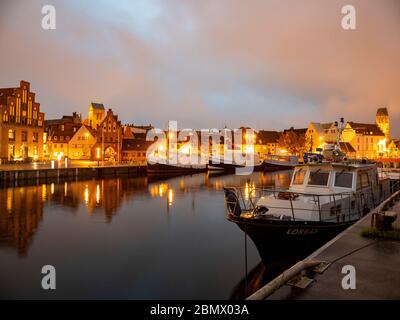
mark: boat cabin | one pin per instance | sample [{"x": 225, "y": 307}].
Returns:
[{"x": 324, "y": 178}]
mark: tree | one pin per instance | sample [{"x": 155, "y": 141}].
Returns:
[{"x": 294, "y": 143}]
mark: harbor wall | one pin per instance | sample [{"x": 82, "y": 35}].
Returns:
[{"x": 29, "y": 176}]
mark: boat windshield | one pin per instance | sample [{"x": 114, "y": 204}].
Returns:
[
  {"x": 299, "y": 176},
  {"x": 318, "y": 178},
  {"x": 344, "y": 179}
]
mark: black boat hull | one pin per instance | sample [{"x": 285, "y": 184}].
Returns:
[
  {"x": 160, "y": 168},
  {"x": 278, "y": 240},
  {"x": 269, "y": 167}
]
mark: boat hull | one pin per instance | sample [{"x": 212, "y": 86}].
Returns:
[
  {"x": 160, "y": 168},
  {"x": 270, "y": 166},
  {"x": 278, "y": 240}
]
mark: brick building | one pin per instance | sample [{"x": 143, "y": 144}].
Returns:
[{"x": 21, "y": 124}]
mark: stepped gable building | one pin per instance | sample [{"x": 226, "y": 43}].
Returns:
[{"x": 21, "y": 124}]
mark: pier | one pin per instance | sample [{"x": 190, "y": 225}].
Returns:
[
  {"x": 376, "y": 263},
  {"x": 13, "y": 177}
]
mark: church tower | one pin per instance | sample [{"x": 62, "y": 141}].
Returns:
[{"x": 383, "y": 121}]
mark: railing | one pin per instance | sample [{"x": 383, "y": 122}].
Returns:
[{"x": 344, "y": 205}]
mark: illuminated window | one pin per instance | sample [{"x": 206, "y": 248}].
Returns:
[{"x": 11, "y": 135}]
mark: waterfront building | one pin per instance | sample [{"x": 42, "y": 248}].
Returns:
[
  {"x": 81, "y": 144},
  {"x": 319, "y": 134},
  {"x": 134, "y": 151},
  {"x": 96, "y": 115},
  {"x": 383, "y": 121},
  {"x": 266, "y": 143},
  {"x": 58, "y": 133},
  {"x": 368, "y": 140},
  {"x": 109, "y": 138},
  {"x": 21, "y": 124}
]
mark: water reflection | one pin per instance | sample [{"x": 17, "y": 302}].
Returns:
[{"x": 179, "y": 222}]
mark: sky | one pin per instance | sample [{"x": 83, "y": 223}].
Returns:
[{"x": 267, "y": 64}]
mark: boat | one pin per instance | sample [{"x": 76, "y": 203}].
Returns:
[
  {"x": 250, "y": 162},
  {"x": 279, "y": 162},
  {"x": 323, "y": 199},
  {"x": 170, "y": 169}
]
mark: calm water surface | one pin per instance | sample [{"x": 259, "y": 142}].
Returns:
[{"x": 133, "y": 238}]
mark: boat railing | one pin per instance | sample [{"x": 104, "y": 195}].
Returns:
[{"x": 344, "y": 204}]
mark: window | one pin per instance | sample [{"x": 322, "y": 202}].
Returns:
[
  {"x": 318, "y": 178},
  {"x": 24, "y": 136},
  {"x": 343, "y": 179},
  {"x": 35, "y": 137},
  {"x": 299, "y": 176},
  {"x": 362, "y": 180},
  {"x": 11, "y": 135},
  {"x": 62, "y": 127}
]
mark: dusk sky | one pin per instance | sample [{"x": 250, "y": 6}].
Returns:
[{"x": 266, "y": 64}]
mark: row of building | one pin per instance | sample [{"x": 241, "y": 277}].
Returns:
[{"x": 26, "y": 135}]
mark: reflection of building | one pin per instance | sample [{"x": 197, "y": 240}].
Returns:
[
  {"x": 21, "y": 210},
  {"x": 21, "y": 124}
]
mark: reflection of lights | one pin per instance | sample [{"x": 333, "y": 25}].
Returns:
[
  {"x": 86, "y": 194},
  {"x": 66, "y": 162},
  {"x": 52, "y": 188},
  {"x": 98, "y": 193},
  {"x": 9, "y": 199},
  {"x": 249, "y": 190},
  {"x": 44, "y": 192},
  {"x": 65, "y": 189},
  {"x": 170, "y": 197},
  {"x": 162, "y": 188}
]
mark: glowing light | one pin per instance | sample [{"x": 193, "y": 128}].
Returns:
[
  {"x": 52, "y": 188},
  {"x": 98, "y": 153}
]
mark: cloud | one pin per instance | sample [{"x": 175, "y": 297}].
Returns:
[{"x": 270, "y": 64}]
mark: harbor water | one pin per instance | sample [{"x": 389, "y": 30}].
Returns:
[{"x": 129, "y": 238}]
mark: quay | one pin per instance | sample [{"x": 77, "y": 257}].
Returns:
[
  {"x": 376, "y": 263},
  {"x": 12, "y": 176}
]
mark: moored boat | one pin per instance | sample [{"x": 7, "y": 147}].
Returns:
[
  {"x": 322, "y": 200},
  {"x": 166, "y": 168},
  {"x": 279, "y": 162}
]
